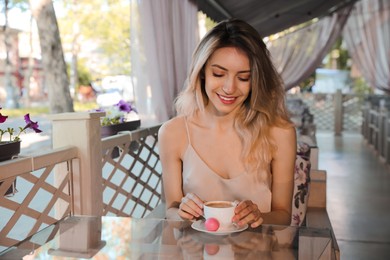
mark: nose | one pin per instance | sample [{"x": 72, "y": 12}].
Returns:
[{"x": 229, "y": 87}]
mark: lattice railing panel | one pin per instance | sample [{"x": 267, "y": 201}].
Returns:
[
  {"x": 42, "y": 197},
  {"x": 322, "y": 106},
  {"x": 132, "y": 183},
  {"x": 352, "y": 113}
]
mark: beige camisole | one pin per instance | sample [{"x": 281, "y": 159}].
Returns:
[{"x": 199, "y": 179}]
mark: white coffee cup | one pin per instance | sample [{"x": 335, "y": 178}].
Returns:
[{"x": 221, "y": 210}]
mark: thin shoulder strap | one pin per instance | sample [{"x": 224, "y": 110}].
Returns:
[{"x": 188, "y": 131}]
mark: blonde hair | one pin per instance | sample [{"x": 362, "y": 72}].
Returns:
[{"x": 265, "y": 105}]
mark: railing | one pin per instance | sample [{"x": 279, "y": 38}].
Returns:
[
  {"x": 336, "y": 112},
  {"x": 43, "y": 196},
  {"x": 132, "y": 181},
  {"x": 80, "y": 176},
  {"x": 376, "y": 129}
]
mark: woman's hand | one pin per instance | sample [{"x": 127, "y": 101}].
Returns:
[
  {"x": 191, "y": 207},
  {"x": 247, "y": 212}
]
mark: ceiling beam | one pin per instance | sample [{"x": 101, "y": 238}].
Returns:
[{"x": 220, "y": 8}]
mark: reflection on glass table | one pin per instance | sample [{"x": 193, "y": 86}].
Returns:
[{"x": 80, "y": 237}]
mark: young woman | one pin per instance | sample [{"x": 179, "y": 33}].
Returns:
[{"x": 232, "y": 138}]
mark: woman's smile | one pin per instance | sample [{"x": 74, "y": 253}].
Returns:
[
  {"x": 227, "y": 79},
  {"x": 226, "y": 100}
]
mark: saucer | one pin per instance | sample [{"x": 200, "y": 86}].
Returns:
[{"x": 199, "y": 226}]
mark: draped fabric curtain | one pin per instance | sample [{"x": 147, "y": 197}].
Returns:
[
  {"x": 164, "y": 35},
  {"x": 367, "y": 37},
  {"x": 296, "y": 55}
]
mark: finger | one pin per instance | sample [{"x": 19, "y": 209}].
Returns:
[
  {"x": 250, "y": 214},
  {"x": 187, "y": 212},
  {"x": 237, "y": 211},
  {"x": 196, "y": 200},
  {"x": 257, "y": 219},
  {"x": 242, "y": 210},
  {"x": 189, "y": 206},
  {"x": 243, "y": 205},
  {"x": 257, "y": 223},
  {"x": 199, "y": 203},
  {"x": 185, "y": 215},
  {"x": 194, "y": 208}
]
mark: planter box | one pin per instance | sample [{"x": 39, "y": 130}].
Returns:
[
  {"x": 115, "y": 129},
  {"x": 8, "y": 150}
]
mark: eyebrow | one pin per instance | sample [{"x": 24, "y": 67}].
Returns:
[{"x": 222, "y": 68}]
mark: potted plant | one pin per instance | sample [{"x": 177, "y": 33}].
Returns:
[
  {"x": 119, "y": 117},
  {"x": 10, "y": 146}
]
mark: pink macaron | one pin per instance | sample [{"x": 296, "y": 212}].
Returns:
[{"x": 211, "y": 224}]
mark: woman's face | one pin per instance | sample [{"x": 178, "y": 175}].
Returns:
[{"x": 227, "y": 80}]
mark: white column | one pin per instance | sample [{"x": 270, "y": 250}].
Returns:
[{"x": 82, "y": 129}]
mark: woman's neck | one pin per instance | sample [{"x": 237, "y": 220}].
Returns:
[{"x": 213, "y": 120}]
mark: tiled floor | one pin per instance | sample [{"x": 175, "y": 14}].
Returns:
[{"x": 358, "y": 195}]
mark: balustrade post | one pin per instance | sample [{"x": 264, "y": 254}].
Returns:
[
  {"x": 366, "y": 121},
  {"x": 83, "y": 130},
  {"x": 381, "y": 131},
  {"x": 387, "y": 135},
  {"x": 338, "y": 113}
]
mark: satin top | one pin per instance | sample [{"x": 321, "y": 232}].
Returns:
[{"x": 199, "y": 179}]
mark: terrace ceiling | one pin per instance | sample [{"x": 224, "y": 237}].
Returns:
[{"x": 271, "y": 16}]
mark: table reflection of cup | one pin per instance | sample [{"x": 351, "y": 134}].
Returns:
[
  {"x": 218, "y": 251},
  {"x": 223, "y": 211}
]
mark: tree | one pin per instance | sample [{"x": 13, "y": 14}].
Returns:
[
  {"x": 101, "y": 29},
  {"x": 12, "y": 91},
  {"x": 54, "y": 67},
  {"x": 12, "y": 101}
]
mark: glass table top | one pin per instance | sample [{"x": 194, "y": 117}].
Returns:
[{"x": 84, "y": 237}]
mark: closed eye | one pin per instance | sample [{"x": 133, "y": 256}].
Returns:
[
  {"x": 244, "y": 79},
  {"x": 217, "y": 75}
]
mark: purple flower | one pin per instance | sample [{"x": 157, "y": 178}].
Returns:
[
  {"x": 14, "y": 136},
  {"x": 124, "y": 106},
  {"x": 2, "y": 118},
  {"x": 31, "y": 124},
  {"x": 117, "y": 113}
]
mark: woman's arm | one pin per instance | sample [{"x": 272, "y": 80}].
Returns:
[
  {"x": 169, "y": 150},
  {"x": 282, "y": 167},
  {"x": 173, "y": 142}
]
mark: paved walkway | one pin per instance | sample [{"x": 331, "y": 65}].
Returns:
[{"x": 358, "y": 195}]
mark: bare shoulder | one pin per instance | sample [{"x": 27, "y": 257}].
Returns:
[
  {"x": 172, "y": 127},
  {"x": 284, "y": 133},
  {"x": 173, "y": 132},
  {"x": 284, "y": 136}
]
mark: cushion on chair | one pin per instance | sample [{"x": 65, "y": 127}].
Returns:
[
  {"x": 303, "y": 149},
  {"x": 301, "y": 184}
]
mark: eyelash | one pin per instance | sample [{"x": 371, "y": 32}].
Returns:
[{"x": 221, "y": 75}]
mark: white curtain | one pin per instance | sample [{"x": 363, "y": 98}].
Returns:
[
  {"x": 164, "y": 35},
  {"x": 367, "y": 36},
  {"x": 296, "y": 55}
]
